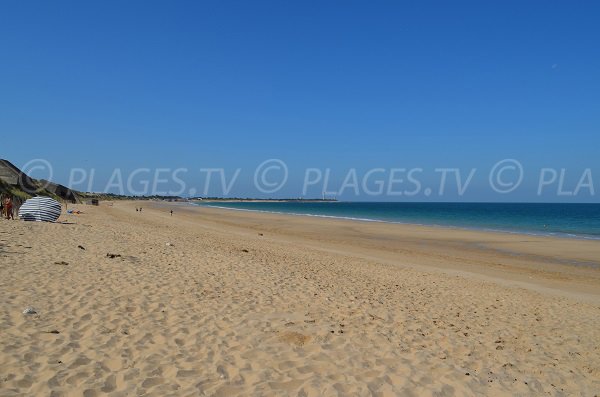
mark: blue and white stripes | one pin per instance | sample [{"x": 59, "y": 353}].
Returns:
[{"x": 40, "y": 209}]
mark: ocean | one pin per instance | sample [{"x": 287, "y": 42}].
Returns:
[{"x": 563, "y": 220}]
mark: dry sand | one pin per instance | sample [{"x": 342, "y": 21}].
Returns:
[{"x": 255, "y": 304}]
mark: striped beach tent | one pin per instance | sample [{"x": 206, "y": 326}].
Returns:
[{"x": 40, "y": 209}]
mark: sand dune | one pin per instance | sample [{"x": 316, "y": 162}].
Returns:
[{"x": 308, "y": 308}]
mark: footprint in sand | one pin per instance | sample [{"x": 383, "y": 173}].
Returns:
[
  {"x": 151, "y": 382},
  {"x": 295, "y": 338}
]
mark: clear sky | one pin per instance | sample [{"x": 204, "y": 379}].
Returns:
[{"x": 337, "y": 85}]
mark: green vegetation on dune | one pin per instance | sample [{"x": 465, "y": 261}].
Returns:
[{"x": 20, "y": 195}]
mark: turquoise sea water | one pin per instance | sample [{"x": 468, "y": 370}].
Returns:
[{"x": 565, "y": 220}]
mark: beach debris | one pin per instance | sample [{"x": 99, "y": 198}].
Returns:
[
  {"x": 81, "y": 247},
  {"x": 170, "y": 245},
  {"x": 112, "y": 256},
  {"x": 245, "y": 250},
  {"x": 62, "y": 263},
  {"x": 29, "y": 311},
  {"x": 222, "y": 372},
  {"x": 260, "y": 234},
  {"x": 54, "y": 331},
  {"x": 374, "y": 317}
]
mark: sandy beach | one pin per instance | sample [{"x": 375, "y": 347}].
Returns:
[{"x": 222, "y": 302}]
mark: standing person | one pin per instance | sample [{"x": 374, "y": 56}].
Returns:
[
  {"x": 171, "y": 212},
  {"x": 140, "y": 209},
  {"x": 8, "y": 208},
  {"x": 1, "y": 206}
]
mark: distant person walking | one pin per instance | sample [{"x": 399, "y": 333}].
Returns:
[
  {"x": 171, "y": 212},
  {"x": 8, "y": 208}
]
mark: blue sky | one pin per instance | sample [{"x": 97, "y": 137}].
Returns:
[{"x": 336, "y": 85}]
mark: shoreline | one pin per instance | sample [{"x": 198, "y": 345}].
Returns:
[
  {"x": 567, "y": 267},
  {"x": 450, "y": 227}
]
